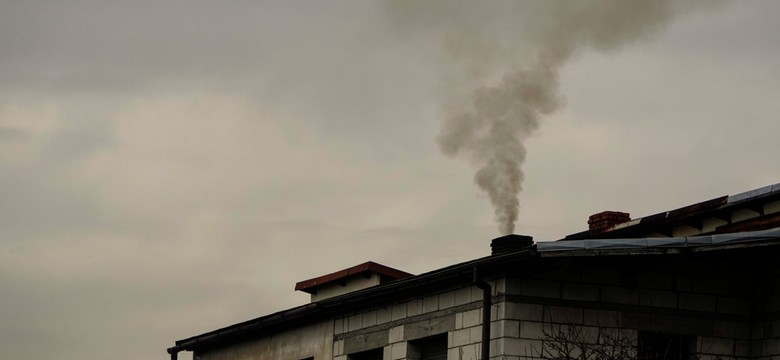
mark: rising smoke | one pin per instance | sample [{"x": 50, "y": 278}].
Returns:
[{"x": 507, "y": 55}]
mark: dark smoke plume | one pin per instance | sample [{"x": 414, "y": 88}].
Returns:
[{"x": 529, "y": 42}]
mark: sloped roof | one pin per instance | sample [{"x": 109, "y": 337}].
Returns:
[
  {"x": 693, "y": 215},
  {"x": 389, "y": 273}
]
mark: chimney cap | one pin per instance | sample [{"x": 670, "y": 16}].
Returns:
[{"x": 510, "y": 243}]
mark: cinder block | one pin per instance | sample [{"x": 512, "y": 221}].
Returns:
[
  {"x": 338, "y": 347},
  {"x": 773, "y": 269},
  {"x": 469, "y": 352},
  {"x": 475, "y": 334},
  {"x": 355, "y": 322},
  {"x": 717, "y": 346},
  {"x": 658, "y": 298},
  {"x": 513, "y": 286},
  {"x": 383, "y": 315},
  {"x": 446, "y": 300},
  {"x": 477, "y": 294},
  {"x": 773, "y": 303},
  {"x": 619, "y": 295},
  {"x": 498, "y": 311},
  {"x": 370, "y": 318},
  {"x": 563, "y": 315},
  {"x": 589, "y": 333},
  {"x": 728, "y": 271},
  {"x": 570, "y": 273},
  {"x": 533, "y": 330},
  {"x": 398, "y": 312},
  {"x": 729, "y": 305},
  {"x": 697, "y": 302},
  {"x": 338, "y": 326},
  {"x": 741, "y": 288},
  {"x": 756, "y": 348},
  {"x": 600, "y": 275},
  {"x": 692, "y": 268},
  {"x": 771, "y": 347},
  {"x": 709, "y": 357},
  {"x": 776, "y": 287},
  {"x": 772, "y": 329},
  {"x": 430, "y": 304},
  {"x": 522, "y": 347},
  {"x": 460, "y": 337},
  {"x": 505, "y": 328},
  {"x": 763, "y": 288},
  {"x": 731, "y": 329},
  {"x": 495, "y": 348},
  {"x": 602, "y": 318},
  {"x": 414, "y": 308},
  {"x": 499, "y": 286},
  {"x": 518, "y": 311},
  {"x": 709, "y": 285},
  {"x": 541, "y": 288},
  {"x": 463, "y": 296},
  {"x": 580, "y": 292},
  {"x": 683, "y": 283},
  {"x": 743, "y": 348},
  {"x": 757, "y": 330},
  {"x": 396, "y": 334},
  {"x": 472, "y": 318},
  {"x": 398, "y": 351},
  {"x": 453, "y": 354},
  {"x": 504, "y": 357},
  {"x": 655, "y": 280}
]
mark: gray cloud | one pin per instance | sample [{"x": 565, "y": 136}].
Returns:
[
  {"x": 167, "y": 169},
  {"x": 12, "y": 134}
]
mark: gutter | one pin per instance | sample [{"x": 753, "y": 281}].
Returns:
[{"x": 487, "y": 295}]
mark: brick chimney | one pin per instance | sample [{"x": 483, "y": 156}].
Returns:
[
  {"x": 603, "y": 221},
  {"x": 510, "y": 243}
]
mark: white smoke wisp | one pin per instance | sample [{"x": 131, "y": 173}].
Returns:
[{"x": 529, "y": 42}]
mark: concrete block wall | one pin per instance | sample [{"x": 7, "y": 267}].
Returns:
[
  {"x": 709, "y": 303},
  {"x": 457, "y": 313},
  {"x": 765, "y": 329},
  {"x": 692, "y": 287},
  {"x": 528, "y": 329},
  {"x": 714, "y": 348},
  {"x": 712, "y": 304},
  {"x": 311, "y": 340}
]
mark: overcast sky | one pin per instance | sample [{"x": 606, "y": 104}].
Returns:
[{"x": 169, "y": 168}]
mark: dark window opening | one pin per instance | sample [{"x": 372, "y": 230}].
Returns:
[
  {"x": 661, "y": 346},
  {"x": 430, "y": 348},
  {"x": 374, "y": 354}
]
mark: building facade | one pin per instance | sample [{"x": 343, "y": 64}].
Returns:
[{"x": 682, "y": 286}]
